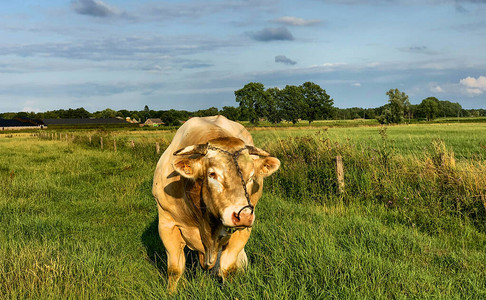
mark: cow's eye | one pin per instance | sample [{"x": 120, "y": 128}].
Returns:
[{"x": 212, "y": 175}]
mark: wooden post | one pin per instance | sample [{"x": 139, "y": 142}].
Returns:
[
  {"x": 157, "y": 148},
  {"x": 483, "y": 199},
  {"x": 90, "y": 139},
  {"x": 114, "y": 145},
  {"x": 340, "y": 173},
  {"x": 101, "y": 142},
  {"x": 132, "y": 144}
]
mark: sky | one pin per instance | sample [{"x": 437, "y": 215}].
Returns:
[{"x": 191, "y": 55}]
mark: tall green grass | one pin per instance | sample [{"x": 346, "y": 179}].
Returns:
[{"x": 80, "y": 222}]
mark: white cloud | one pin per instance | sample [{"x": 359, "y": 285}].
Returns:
[
  {"x": 294, "y": 21},
  {"x": 437, "y": 89},
  {"x": 474, "y": 86},
  {"x": 357, "y": 84},
  {"x": 28, "y": 107}
]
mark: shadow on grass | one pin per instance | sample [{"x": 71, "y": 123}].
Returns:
[{"x": 157, "y": 255}]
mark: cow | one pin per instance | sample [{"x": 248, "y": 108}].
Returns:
[{"x": 207, "y": 184}]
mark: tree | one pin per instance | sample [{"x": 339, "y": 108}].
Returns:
[
  {"x": 386, "y": 116},
  {"x": 106, "y": 113},
  {"x": 212, "y": 111},
  {"x": 449, "y": 109},
  {"x": 251, "y": 97},
  {"x": 231, "y": 112},
  {"x": 80, "y": 113},
  {"x": 429, "y": 108},
  {"x": 317, "y": 102},
  {"x": 399, "y": 104},
  {"x": 292, "y": 103},
  {"x": 271, "y": 106}
]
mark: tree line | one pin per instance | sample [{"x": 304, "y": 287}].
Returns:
[{"x": 293, "y": 103}]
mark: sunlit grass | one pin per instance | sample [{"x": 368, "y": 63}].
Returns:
[{"x": 80, "y": 222}]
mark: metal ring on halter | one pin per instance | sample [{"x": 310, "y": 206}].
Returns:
[{"x": 251, "y": 207}]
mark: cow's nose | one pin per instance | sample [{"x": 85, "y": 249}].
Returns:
[{"x": 245, "y": 218}]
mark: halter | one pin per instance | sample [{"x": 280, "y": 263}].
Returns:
[{"x": 235, "y": 156}]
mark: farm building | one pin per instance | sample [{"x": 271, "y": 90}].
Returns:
[
  {"x": 153, "y": 122},
  {"x": 20, "y": 123},
  {"x": 86, "y": 121}
]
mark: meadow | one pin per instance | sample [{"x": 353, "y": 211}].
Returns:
[{"x": 80, "y": 222}]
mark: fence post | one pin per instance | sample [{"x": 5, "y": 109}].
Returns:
[
  {"x": 101, "y": 142},
  {"x": 340, "y": 173},
  {"x": 157, "y": 147},
  {"x": 483, "y": 199},
  {"x": 90, "y": 139},
  {"x": 114, "y": 145}
]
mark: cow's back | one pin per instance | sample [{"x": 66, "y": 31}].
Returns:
[{"x": 201, "y": 130}]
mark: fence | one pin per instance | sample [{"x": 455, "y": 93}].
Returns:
[{"x": 100, "y": 141}]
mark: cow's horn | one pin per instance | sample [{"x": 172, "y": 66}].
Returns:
[
  {"x": 200, "y": 149},
  {"x": 257, "y": 151}
]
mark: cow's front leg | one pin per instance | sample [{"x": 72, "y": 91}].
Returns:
[
  {"x": 233, "y": 258},
  {"x": 174, "y": 246}
]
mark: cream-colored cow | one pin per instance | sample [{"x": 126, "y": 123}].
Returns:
[{"x": 207, "y": 184}]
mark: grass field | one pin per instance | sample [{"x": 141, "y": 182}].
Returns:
[{"x": 79, "y": 222}]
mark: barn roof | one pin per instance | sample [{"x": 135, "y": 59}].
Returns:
[
  {"x": 155, "y": 120},
  {"x": 83, "y": 121},
  {"x": 20, "y": 122}
]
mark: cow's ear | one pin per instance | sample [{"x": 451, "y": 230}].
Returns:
[
  {"x": 199, "y": 149},
  {"x": 188, "y": 167},
  {"x": 257, "y": 151},
  {"x": 188, "y": 161},
  {"x": 267, "y": 166}
]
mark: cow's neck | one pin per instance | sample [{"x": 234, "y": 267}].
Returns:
[{"x": 213, "y": 235}]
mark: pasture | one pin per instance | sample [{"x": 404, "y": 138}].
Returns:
[{"x": 80, "y": 222}]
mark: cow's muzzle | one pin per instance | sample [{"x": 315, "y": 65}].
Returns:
[{"x": 244, "y": 217}]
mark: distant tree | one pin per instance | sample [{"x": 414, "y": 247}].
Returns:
[
  {"x": 8, "y": 115},
  {"x": 169, "y": 117},
  {"x": 146, "y": 109},
  {"x": 292, "y": 104},
  {"x": 124, "y": 113},
  {"x": 80, "y": 113},
  {"x": 135, "y": 117},
  {"x": 449, "y": 109},
  {"x": 272, "y": 105},
  {"x": 429, "y": 108},
  {"x": 22, "y": 115},
  {"x": 106, "y": 113},
  {"x": 318, "y": 104},
  {"x": 212, "y": 111},
  {"x": 231, "y": 112},
  {"x": 369, "y": 113},
  {"x": 250, "y": 98},
  {"x": 386, "y": 116},
  {"x": 399, "y": 104},
  {"x": 174, "y": 117}
]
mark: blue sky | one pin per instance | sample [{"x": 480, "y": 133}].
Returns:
[{"x": 192, "y": 55}]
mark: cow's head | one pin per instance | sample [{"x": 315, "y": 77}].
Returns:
[{"x": 222, "y": 185}]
